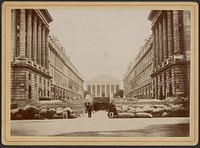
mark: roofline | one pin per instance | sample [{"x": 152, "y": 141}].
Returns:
[{"x": 46, "y": 13}]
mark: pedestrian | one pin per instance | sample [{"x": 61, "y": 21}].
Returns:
[
  {"x": 112, "y": 111},
  {"x": 89, "y": 109}
]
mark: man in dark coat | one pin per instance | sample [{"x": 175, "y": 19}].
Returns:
[
  {"x": 89, "y": 109},
  {"x": 112, "y": 111}
]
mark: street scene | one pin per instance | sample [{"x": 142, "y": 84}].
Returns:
[{"x": 100, "y": 73}]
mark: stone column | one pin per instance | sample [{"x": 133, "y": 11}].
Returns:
[
  {"x": 110, "y": 90},
  {"x": 186, "y": 33},
  {"x": 96, "y": 90},
  {"x": 22, "y": 33},
  {"x": 170, "y": 33},
  {"x": 165, "y": 54},
  {"x": 34, "y": 38},
  {"x": 47, "y": 49},
  {"x": 160, "y": 42},
  {"x": 114, "y": 89},
  {"x": 105, "y": 91},
  {"x": 29, "y": 34},
  {"x": 13, "y": 33},
  {"x": 100, "y": 91},
  {"x": 90, "y": 89},
  {"x": 176, "y": 32},
  {"x": 43, "y": 46},
  {"x": 154, "y": 48},
  {"x": 39, "y": 42},
  {"x": 157, "y": 46}
]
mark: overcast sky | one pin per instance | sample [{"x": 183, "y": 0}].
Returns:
[{"x": 100, "y": 41}]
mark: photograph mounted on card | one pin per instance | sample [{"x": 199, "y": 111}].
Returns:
[{"x": 99, "y": 73}]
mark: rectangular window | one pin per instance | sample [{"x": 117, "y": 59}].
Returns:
[{"x": 29, "y": 76}]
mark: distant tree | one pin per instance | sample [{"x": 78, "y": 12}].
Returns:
[{"x": 119, "y": 93}]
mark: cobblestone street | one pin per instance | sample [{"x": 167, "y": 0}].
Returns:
[{"x": 101, "y": 125}]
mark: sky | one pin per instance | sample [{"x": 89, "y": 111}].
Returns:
[{"x": 100, "y": 41}]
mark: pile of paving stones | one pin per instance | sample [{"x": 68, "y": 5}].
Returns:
[
  {"x": 44, "y": 112},
  {"x": 178, "y": 107}
]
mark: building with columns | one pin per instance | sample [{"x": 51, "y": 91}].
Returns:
[
  {"x": 171, "y": 49},
  {"x": 67, "y": 83},
  {"x": 30, "y": 78},
  {"x": 103, "y": 86},
  {"x": 137, "y": 81}
]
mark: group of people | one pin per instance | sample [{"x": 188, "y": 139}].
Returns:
[{"x": 112, "y": 111}]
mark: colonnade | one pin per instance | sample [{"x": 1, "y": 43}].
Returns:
[
  {"x": 32, "y": 33},
  {"x": 102, "y": 90},
  {"x": 167, "y": 35},
  {"x": 171, "y": 32}
]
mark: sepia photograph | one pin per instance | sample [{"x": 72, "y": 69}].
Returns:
[{"x": 99, "y": 73}]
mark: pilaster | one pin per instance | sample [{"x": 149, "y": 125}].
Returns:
[
  {"x": 39, "y": 42},
  {"x": 34, "y": 38},
  {"x": 170, "y": 33},
  {"x": 43, "y": 46},
  {"x": 22, "y": 33},
  {"x": 165, "y": 54},
  {"x": 29, "y": 34},
  {"x": 13, "y": 34},
  {"x": 47, "y": 50},
  {"x": 186, "y": 33},
  {"x": 176, "y": 32},
  {"x": 160, "y": 42},
  {"x": 157, "y": 46}
]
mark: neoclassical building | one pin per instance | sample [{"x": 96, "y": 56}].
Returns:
[
  {"x": 171, "y": 48},
  {"x": 67, "y": 83},
  {"x": 39, "y": 66},
  {"x": 137, "y": 81},
  {"x": 30, "y": 78},
  {"x": 103, "y": 86}
]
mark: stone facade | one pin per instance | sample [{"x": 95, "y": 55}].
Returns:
[
  {"x": 137, "y": 81},
  {"x": 67, "y": 83},
  {"x": 35, "y": 75},
  {"x": 30, "y": 77},
  {"x": 171, "y": 47},
  {"x": 103, "y": 86}
]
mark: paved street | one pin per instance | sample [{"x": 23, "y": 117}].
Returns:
[{"x": 101, "y": 125}]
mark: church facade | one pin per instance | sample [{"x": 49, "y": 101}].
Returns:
[{"x": 103, "y": 86}]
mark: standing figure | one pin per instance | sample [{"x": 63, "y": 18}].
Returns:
[
  {"x": 112, "y": 111},
  {"x": 89, "y": 109}
]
